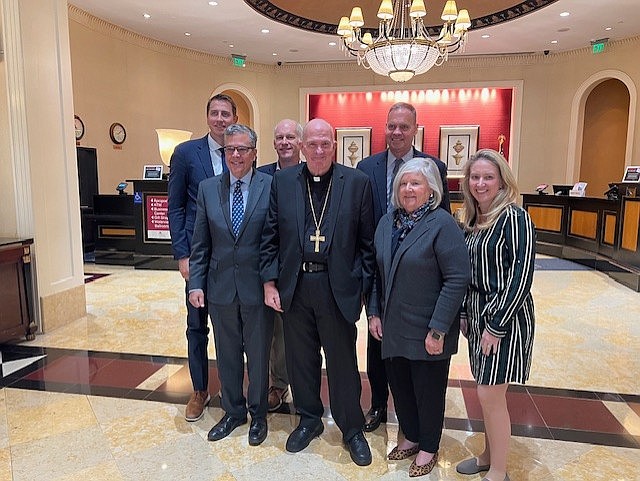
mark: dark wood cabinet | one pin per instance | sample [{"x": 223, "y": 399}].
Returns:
[{"x": 16, "y": 310}]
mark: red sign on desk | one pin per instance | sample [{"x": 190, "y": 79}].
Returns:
[{"x": 156, "y": 218}]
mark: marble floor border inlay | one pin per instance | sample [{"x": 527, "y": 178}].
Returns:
[{"x": 536, "y": 412}]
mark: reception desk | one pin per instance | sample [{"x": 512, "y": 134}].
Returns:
[
  {"x": 134, "y": 229},
  {"x": 600, "y": 233}
]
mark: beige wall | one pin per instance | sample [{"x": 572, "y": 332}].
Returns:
[{"x": 144, "y": 84}]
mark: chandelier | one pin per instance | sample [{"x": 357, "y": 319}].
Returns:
[{"x": 403, "y": 46}]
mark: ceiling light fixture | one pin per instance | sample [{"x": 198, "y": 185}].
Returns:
[
  {"x": 265, "y": 30},
  {"x": 213, "y": 4},
  {"x": 565, "y": 14},
  {"x": 146, "y": 15},
  {"x": 403, "y": 46}
]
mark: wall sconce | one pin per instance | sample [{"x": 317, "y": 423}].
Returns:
[{"x": 167, "y": 141}]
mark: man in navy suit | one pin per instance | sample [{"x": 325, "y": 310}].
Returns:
[
  {"x": 192, "y": 162},
  {"x": 287, "y": 138},
  {"x": 224, "y": 263},
  {"x": 400, "y": 130}
]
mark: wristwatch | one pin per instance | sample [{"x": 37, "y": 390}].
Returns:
[{"x": 436, "y": 334}]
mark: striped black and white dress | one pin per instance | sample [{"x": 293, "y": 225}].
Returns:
[{"x": 499, "y": 297}]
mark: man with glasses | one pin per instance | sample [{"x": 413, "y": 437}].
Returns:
[
  {"x": 381, "y": 168},
  {"x": 191, "y": 162},
  {"x": 287, "y": 137},
  {"x": 316, "y": 262},
  {"x": 224, "y": 263}
]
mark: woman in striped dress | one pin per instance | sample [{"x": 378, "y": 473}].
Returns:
[{"x": 497, "y": 317}]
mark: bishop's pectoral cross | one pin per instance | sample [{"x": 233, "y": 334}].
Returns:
[{"x": 317, "y": 239}]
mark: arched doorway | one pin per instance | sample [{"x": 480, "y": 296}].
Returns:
[
  {"x": 584, "y": 109},
  {"x": 604, "y": 139}
]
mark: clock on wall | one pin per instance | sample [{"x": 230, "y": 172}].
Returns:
[
  {"x": 117, "y": 133},
  {"x": 78, "y": 125}
]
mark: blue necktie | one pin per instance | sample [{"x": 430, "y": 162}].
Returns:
[{"x": 237, "y": 208}]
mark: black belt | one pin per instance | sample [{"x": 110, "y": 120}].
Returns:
[{"x": 314, "y": 267}]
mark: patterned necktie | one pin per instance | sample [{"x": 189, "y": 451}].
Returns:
[
  {"x": 237, "y": 208},
  {"x": 396, "y": 166}
]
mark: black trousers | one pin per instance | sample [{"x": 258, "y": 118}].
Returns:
[
  {"x": 418, "y": 389},
  {"x": 314, "y": 321},
  {"x": 377, "y": 373},
  {"x": 240, "y": 329}
]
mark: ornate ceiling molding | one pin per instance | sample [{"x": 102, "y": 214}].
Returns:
[{"x": 274, "y": 12}]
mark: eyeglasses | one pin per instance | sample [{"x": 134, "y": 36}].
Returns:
[{"x": 242, "y": 150}]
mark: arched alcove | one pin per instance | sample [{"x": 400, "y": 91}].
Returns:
[
  {"x": 604, "y": 139},
  {"x": 577, "y": 124},
  {"x": 246, "y": 103}
]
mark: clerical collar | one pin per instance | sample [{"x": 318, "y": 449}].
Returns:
[{"x": 323, "y": 179}]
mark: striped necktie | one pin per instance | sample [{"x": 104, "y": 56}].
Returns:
[{"x": 396, "y": 166}]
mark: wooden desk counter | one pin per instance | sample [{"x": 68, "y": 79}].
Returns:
[{"x": 594, "y": 231}]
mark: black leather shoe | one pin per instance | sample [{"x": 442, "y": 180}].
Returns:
[
  {"x": 359, "y": 450},
  {"x": 257, "y": 431},
  {"x": 374, "y": 417},
  {"x": 224, "y": 427},
  {"x": 302, "y": 436}
]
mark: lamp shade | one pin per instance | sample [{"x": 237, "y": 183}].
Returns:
[
  {"x": 356, "y": 19},
  {"x": 450, "y": 11},
  {"x": 385, "y": 12},
  {"x": 417, "y": 9},
  {"x": 167, "y": 141},
  {"x": 463, "y": 21},
  {"x": 344, "y": 29}
]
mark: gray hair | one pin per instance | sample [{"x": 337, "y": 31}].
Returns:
[
  {"x": 429, "y": 170},
  {"x": 237, "y": 129}
]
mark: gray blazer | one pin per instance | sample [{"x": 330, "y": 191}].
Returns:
[
  {"x": 422, "y": 285},
  {"x": 219, "y": 262}
]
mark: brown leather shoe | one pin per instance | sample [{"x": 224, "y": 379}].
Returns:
[
  {"x": 276, "y": 398},
  {"x": 196, "y": 404}
]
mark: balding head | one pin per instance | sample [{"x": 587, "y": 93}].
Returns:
[{"x": 318, "y": 146}]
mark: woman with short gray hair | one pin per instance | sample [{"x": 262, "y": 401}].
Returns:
[{"x": 419, "y": 319}]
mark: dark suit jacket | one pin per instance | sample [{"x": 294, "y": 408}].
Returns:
[
  {"x": 269, "y": 168},
  {"x": 221, "y": 264},
  {"x": 422, "y": 285},
  {"x": 190, "y": 164},
  {"x": 375, "y": 166},
  {"x": 349, "y": 236}
]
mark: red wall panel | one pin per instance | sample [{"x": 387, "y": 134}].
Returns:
[{"x": 490, "y": 108}]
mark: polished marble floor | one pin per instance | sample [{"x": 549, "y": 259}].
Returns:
[{"x": 102, "y": 398}]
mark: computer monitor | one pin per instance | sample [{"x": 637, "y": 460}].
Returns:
[
  {"x": 152, "y": 172},
  {"x": 631, "y": 173},
  {"x": 559, "y": 189}
]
